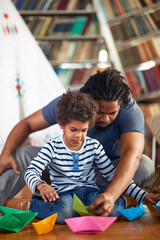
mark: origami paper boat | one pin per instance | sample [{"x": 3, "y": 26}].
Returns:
[
  {"x": 80, "y": 208},
  {"x": 158, "y": 206},
  {"x": 89, "y": 224},
  {"x": 46, "y": 225},
  {"x": 133, "y": 212},
  {"x": 14, "y": 220}
]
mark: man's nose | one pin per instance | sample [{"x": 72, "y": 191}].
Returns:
[{"x": 105, "y": 118}]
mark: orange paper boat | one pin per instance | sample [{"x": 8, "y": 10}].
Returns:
[{"x": 46, "y": 225}]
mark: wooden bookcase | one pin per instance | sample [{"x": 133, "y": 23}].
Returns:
[
  {"x": 135, "y": 29},
  {"x": 68, "y": 32}
]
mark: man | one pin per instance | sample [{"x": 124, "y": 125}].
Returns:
[{"x": 119, "y": 128}]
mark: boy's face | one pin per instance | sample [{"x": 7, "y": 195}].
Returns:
[
  {"x": 108, "y": 111},
  {"x": 74, "y": 134}
]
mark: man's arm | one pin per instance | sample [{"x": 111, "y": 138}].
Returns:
[
  {"x": 17, "y": 136},
  {"x": 131, "y": 149}
]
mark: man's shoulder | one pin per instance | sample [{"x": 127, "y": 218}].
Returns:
[{"x": 131, "y": 107}]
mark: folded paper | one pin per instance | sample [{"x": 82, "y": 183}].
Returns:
[
  {"x": 158, "y": 206},
  {"x": 80, "y": 208},
  {"x": 133, "y": 212},
  {"x": 89, "y": 224},
  {"x": 46, "y": 225},
  {"x": 14, "y": 220}
]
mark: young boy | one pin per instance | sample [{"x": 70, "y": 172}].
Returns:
[{"x": 70, "y": 159}]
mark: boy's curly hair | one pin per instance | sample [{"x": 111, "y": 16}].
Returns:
[{"x": 76, "y": 106}]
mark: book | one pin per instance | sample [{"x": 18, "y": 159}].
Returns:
[
  {"x": 129, "y": 81},
  {"x": 71, "y": 51},
  {"x": 25, "y": 5},
  {"x": 150, "y": 23},
  {"x": 72, "y": 5},
  {"x": 31, "y": 5},
  {"x": 63, "y": 51},
  {"x": 134, "y": 83},
  {"x": 156, "y": 70},
  {"x": 142, "y": 52},
  {"x": 54, "y": 5},
  {"x": 154, "y": 80},
  {"x": 134, "y": 26},
  {"x": 119, "y": 8},
  {"x": 141, "y": 82},
  {"x": 45, "y": 27},
  {"x": 149, "y": 80},
  {"x": 108, "y": 8},
  {"x": 19, "y": 4},
  {"x": 154, "y": 46},
  {"x": 47, "y": 5},
  {"x": 38, "y": 4},
  {"x": 148, "y": 51}
]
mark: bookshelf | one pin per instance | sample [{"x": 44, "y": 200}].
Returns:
[
  {"x": 135, "y": 29},
  {"x": 69, "y": 34}
]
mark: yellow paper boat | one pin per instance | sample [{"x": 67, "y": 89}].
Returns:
[{"x": 46, "y": 225}]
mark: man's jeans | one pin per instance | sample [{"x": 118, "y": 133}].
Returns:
[{"x": 64, "y": 205}]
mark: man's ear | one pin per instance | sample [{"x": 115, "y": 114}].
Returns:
[{"x": 61, "y": 126}]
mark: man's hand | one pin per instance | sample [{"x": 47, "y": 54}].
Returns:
[
  {"x": 153, "y": 198},
  {"x": 102, "y": 206},
  {"x": 47, "y": 192},
  {"x": 8, "y": 162}
]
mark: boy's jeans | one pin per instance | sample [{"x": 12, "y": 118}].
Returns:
[{"x": 64, "y": 205}]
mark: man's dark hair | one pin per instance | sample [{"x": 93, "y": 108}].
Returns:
[
  {"x": 76, "y": 106},
  {"x": 109, "y": 85}
]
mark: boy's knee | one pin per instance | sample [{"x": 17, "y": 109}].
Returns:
[
  {"x": 67, "y": 212},
  {"x": 120, "y": 204}
]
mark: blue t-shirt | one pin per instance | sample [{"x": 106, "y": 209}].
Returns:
[{"x": 129, "y": 119}]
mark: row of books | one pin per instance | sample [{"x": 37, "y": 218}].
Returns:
[
  {"x": 45, "y": 5},
  {"x": 119, "y": 7},
  {"x": 67, "y": 51},
  {"x": 143, "y": 82},
  {"x": 136, "y": 26},
  {"x": 142, "y": 52},
  {"x": 62, "y": 26},
  {"x": 75, "y": 77}
]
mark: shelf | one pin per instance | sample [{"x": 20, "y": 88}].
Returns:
[
  {"x": 68, "y": 38},
  {"x": 148, "y": 98},
  {"x": 141, "y": 11},
  {"x": 79, "y": 64},
  {"x": 142, "y": 66},
  {"x": 56, "y": 13},
  {"x": 132, "y": 42}
]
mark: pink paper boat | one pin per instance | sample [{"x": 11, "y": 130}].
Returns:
[{"x": 89, "y": 224}]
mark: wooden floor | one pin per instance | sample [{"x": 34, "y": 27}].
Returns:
[{"x": 147, "y": 227}]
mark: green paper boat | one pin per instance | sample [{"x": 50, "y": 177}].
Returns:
[
  {"x": 80, "y": 208},
  {"x": 14, "y": 220}
]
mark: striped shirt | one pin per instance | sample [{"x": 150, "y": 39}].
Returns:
[{"x": 70, "y": 170}]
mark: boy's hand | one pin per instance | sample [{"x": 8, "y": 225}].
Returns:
[
  {"x": 153, "y": 198},
  {"x": 47, "y": 192}
]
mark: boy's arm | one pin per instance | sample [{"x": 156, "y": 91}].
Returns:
[{"x": 34, "y": 171}]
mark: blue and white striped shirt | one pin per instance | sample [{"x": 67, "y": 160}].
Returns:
[{"x": 70, "y": 170}]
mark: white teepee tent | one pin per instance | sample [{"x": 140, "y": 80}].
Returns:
[{"x": 27, "y": 80}]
